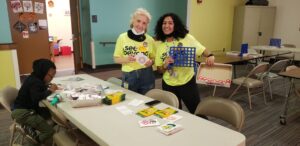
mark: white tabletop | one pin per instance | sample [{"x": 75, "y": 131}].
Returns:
[
  {"x": 109, "y": 127},
  {"x": 275, "y": 49}
]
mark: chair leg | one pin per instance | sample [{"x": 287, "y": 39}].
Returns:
[
  {"x": 13, "y": 130},
  {"x": 285, "y": 87},
  {"x": 270, "y": 89},
  {"x": 249, "y": 98},
  {"x": 264, "y": 94},
  {"x": 233, "y": 93}
]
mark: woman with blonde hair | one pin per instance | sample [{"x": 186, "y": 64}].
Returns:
[{"x": 135, "y": 52}]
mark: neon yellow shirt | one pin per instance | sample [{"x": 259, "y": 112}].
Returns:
[
  {"x": 182, "y": 74},
  {"x": 126, "y": 46}
]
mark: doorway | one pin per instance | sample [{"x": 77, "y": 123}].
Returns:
[{"x": 60, "y": 36}]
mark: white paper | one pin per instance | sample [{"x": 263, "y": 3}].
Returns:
[
  {"x": 25, "y": 34},
  {"x": 136, "y": 102},
  {"x": 43, "y": 24},
  {"x": 16, "y": 6},
  {"x": 149, "y": 123},
  {"x": 124, "y": 110},
  {"x": 27, "y": 6},
  {"x": 39, "y": 7}
]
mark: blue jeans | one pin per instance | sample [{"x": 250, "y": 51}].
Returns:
[{"x": 141, "y": 80}]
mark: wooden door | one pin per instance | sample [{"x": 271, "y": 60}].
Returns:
[
  {"x": 37, "y": 44},
  {"x": 74, "y": 7}
]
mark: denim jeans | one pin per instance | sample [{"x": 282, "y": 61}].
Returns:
[{"x": 141, "y": 80}]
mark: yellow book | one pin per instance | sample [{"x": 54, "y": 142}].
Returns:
[
  {"x": 165, "y": 112},
  {"x": 147, "y": 112}
]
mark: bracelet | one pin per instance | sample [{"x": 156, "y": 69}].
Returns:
[{"x": 210, "y": 55}]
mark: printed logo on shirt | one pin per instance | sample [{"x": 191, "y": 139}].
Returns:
[
  {"x": 164, "y": 56},
  {"x": 133, "y": 50}
]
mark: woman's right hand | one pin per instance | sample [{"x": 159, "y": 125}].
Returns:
[
  {"x": 168, "y": 61},
  {"x": 53, "y": 87},
  {"x": 131, "y": 58}
]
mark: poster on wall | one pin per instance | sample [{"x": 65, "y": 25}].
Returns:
[
  {"x": 27, "y": 17},
  {"x": 16, "y": 6},
  {"x": 25, "y": 34},
  {"x": 33, "y": 27},
  {"x": 27, "y": 6},
  {"x": 39, "y": 7},
  {"x": 19, "y": 26},
  {"x": 43, "y": 24}
]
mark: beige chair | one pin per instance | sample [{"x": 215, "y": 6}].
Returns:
[
  {"x": 251, "y": 82},
  {"x": 117, "y": 81},
  {"x": 224, "y": 109},
  {"x": 273, "y": 71},
  {"x": 8, "y": 96},
  {"x": 163, "y": 96},
  {"x": 66, "y": 134}
]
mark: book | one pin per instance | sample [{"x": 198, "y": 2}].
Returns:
[
  {"x": 169, "y": 128},
  {"x": 149, "y": 123},
  {"x": 147, "y": 112},
  {"x": 165, "y": 112}
]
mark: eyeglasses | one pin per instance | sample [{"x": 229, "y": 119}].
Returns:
[{"x": 51, "y": 76}]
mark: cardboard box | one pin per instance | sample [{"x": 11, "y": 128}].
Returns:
[{"x": 216, "y": 75}]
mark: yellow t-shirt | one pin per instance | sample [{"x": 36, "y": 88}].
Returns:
[
  {"x": 126, "y": 46},
  {"x": 182, "y": 74}
]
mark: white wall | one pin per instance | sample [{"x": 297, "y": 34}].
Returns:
[
  {"x": 59, "y": 24},
  {"x": 287, "y": 21}
]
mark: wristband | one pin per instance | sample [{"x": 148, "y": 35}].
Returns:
[{"x": 210, "y": 55}]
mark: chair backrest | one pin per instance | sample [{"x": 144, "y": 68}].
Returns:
[
  {"x": 163, "y": 96},
  {"x": 57, "y": 117},
  {"x": 291, "y": 67},
  {"x": 259, "y": 69},
  {"x": 279, "y": 66},
  {"x": 224, "y": 109},
  {"x": 8, "y": 97},
  {"x": 275, "y": 42},
  {"x": 117, "y": 81}
]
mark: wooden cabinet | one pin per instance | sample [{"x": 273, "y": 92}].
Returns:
[{"x": 253, "y": 25}]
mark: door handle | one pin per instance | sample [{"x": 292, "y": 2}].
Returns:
[{"x": 259, "y": 33}]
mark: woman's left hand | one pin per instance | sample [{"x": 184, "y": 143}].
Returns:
[{"x": 210, "y": 60}]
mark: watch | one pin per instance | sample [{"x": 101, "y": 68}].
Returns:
[{"x": 210, "y": 55}]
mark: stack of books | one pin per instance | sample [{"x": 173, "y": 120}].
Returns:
[{"x": 169, "y": 128}]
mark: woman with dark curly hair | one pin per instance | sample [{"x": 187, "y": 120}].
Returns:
[{"x": 170, "y": 31}]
